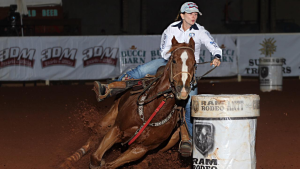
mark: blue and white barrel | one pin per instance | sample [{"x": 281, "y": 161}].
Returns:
[
  {"x": 270, "y": 74},
  {"x": 224, "y": 128}
]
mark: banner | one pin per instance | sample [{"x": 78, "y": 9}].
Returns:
[
  {"x": 102, "y": 57},
  {"x": 138, "y": 50},
  {"x": 58, "y": 58},
  {"x": 251, "y": 48}
]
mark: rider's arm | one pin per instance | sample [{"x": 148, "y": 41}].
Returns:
[
  {"x": 165, "y": 44},
  {"x": 210, "y": 44}
]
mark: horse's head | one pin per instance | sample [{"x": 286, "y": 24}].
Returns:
[{"x": 182, "y": 67}]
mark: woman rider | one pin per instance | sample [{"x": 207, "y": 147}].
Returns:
[{"x": 183, "y": 29}]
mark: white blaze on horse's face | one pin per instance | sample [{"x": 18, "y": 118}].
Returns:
[
  {"x": 184, "y": 76},
  {"x": 184, "y": 57}
]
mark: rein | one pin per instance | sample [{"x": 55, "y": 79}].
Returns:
[
  {"x": 154, "y": 96},
  {"x": 198, "y": 78}
]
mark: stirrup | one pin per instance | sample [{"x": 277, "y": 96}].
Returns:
[
  {"x": 185, "y": 148},
  {"x": 99, "y": 90}
]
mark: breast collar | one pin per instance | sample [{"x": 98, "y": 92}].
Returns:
[{"x": 195, "y": 27}]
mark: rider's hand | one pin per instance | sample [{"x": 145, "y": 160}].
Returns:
[{"x": 216, "y": 62}]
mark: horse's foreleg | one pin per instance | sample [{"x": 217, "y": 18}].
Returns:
[
  {"x": 132, "y": 154},
  {"x": 108, "y": 141},
  {"x": 174, "y": 139}
]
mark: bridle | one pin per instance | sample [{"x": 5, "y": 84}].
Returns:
[
  {"x": 172, "y": 86},
  {"x": 191, "y": 76},
  {"x": 194, "y": 81},
  {"x": 172, "y": 89}
]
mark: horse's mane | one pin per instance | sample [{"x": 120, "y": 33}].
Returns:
[{"x": 177, "y": 46}]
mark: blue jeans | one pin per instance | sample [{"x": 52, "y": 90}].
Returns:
[
  {"x": 150, "y": 68},
  {"x": 147, "y": 68}
]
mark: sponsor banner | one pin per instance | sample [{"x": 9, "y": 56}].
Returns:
[
  {"x": 228, "y": 65},
  {"x": 58, "y": 58},
  {"x": 18, "y": 58},
  {"x": 101, "y": 57},
  {"x": 253, "y": 47},
  {"x": 137, "y": 50}
]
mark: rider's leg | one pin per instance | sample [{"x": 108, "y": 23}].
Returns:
[
  {"x": 107, "y": 90},
  {"x": 104, "y": 91},
  {"x": 186, "y": 130},
  {"x": 142, "y": 70},
  {"x": 185, "y": 146},
  {"x": 188, "y": 118}
]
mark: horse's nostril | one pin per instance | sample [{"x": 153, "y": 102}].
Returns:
[
  {"x": 178, "y": 88},
  {"x": 188, "y": 89}
]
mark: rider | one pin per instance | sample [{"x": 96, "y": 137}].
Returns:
[{"x": 184, "y": 28}]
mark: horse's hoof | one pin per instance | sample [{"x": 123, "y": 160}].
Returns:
[
  {"x": 102, "y": 162},
  {"x": 94, "y": 167},
  {"x": 99, "y": 166},
  {"x": 94, "y": 161}
]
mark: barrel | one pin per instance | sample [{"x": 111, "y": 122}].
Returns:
[
  {"x": 224, "y": 128},
  {"x": 270, "y": 74}
]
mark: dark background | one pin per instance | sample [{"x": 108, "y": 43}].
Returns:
[{"x": 146, "y": 17}]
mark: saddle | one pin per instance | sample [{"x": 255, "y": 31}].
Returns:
[
  {"x": 142, "y": 84},
  {"x": 147, "y": 80}
]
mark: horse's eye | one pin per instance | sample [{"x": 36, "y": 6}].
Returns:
[{"x": 174, "y": 61}]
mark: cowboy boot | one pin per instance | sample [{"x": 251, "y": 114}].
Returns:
[
  {"x": 107, "y": 90},
  {"x": 185, "y": 145}
]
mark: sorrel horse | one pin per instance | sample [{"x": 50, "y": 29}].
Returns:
[{"x": 122, "y": 121}]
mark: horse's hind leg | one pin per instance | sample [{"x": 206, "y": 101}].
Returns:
[
  {"x": 132, "y": 154},
  {"x": 108, "y": 141},
  {"x": 105, "y": 124},
  {"x": 76, "y": 156},
  {"x": 174, "y": 139}
]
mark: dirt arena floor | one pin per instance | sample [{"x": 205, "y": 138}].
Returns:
[{"x": 42, "y": 125}]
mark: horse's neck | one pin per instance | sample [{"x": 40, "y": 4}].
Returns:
[{"x": 161, "y": 85}]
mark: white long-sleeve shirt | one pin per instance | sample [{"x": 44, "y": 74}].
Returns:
[{"x": 197, "y": 32}]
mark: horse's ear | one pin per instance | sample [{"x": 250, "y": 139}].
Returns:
[
  {"x": 174, "y": 41},
  {"x": 192, "y": 43}
]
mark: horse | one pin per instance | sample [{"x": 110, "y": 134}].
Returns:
[{"x": 122, "y": 122}]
